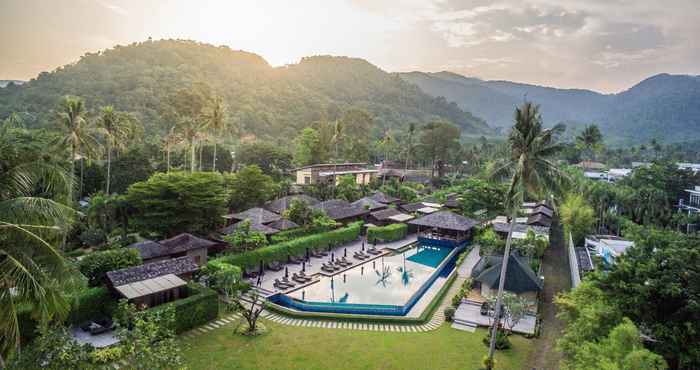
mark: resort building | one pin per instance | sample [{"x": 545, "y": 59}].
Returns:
[
  {"x": 388, "y": 216},
  {"x": 369, "y": 204},
  {"x": 380, "y": 197},
  {"x": 181, "y": 245},
  {"x": 608, "y": 247},
  {"x": 520, "y": 279},
  {"x": 591, "y": 166},
  {"x": 330, "y": 173},
  {"x": 341, "y": 211},
  {"x": 256, "y": 215},
  {"x": 154, "y": 283},
  {"x": 421, "y": 207},
  {"x": 502, "y": 228},
  {"x": 692, "y": 205},
  {"x": 280, "y": 205},
  {"x": 444, "y": 228}
]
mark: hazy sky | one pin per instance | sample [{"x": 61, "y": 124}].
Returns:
[{"x": 606, "y": 45}]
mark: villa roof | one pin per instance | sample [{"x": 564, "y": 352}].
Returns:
[
  {"x": 256, "y": 215},
  {"x": 338, "y": 209},
  {"x": 368, "y": 203},
  {"x": 519, "y": 278},
  {"x": 175, "y": 266},
  {"x": 357, "y": 164},
  {"x": 280, "y": 205},
  {"x": 539, "y": 219},
  {"x": 452, "y": 201},
  {"x": 150, "y": 286},
  {"x": 254, "y": 226},
  {"x": 412, "y": 207},
  {"x": 383, "y": 198},
  {"x": 446, "y": 220},
  {"x": 283, "y": 224},
  {"x": 503, "y": 227},
  {"x": 591, "y": 165},
  {"x": 149, "y": 249},
  {"x": 385, "y": 213},
  {"x": 543, "y": 210}
]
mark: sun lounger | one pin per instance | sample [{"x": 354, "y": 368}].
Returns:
[
  {"x": 345, "y": 261},
  {"x": 282, "y": 285},
  {"x": 360, "y": 257},
  {"x": 300, "y": 278},
  {"x": 373, "y": 251}
]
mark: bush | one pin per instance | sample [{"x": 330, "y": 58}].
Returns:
[
  {"x": 295, "y": 247},
  {"x": 199, "y": 308},
  {"x": 463, "y": 292},
  {"x": 91, "y": 303},
  {"x": 388, "y": 233},
  {"x": 96, "y": 265},
  {"x": 449, "y": 313},
  {"x": 93, "y": 237},
  {"x": 488, "y": 363},
  {"x": 502, "y": 341},
  {"x": 104, "y": 356},
  {"x": 287, "y": 235}
]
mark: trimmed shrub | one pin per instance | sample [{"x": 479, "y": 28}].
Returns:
[
  {"x": 96, "y": 265},
  {"x": 387, "y": 233},
  {"x": 199, "y": 308},
  {"x": 295, "y": 247},
  {"x": 287, "y": 235},
  {"x": 92, "y": 303},
  {"x": 449, "y": 313},
  {"x": 502, "y": 341}
]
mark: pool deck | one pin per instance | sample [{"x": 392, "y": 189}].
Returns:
[{"x": 313, "y": 267}]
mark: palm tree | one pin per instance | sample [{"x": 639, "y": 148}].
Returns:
[
  {"x": 217, "y": 123},
  {"x": 590, "y": 140},
  {"x": 531, "y": 173},
  {"x": 32, "y": 270},
  {"x": 170, "y": 140},
  {"x": 71, "y": 119},
  {"x": 337, "y": 136},
  {"x": 190, "y": 130},
  {"x": 386, "y": 142},
  {"x": 409, "y": 146},
  {"x": 116, "y": 127}
]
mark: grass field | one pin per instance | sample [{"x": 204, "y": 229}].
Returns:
[{"x": 291, "y": 347}]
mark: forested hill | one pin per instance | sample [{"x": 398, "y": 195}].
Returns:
[
  {"x": 268, "y": 102},
  {"x": 663, "y": 107}
]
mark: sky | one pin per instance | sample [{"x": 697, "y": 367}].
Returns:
[{"x": 603, "y": 45}]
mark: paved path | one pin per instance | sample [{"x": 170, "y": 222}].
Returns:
[
  {"x": 555, "y": 268},
  {"x": 465, "y": 270}
]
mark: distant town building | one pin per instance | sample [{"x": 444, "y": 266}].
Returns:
[
  {"x": 330, "y": 173},
  {"x": 692, "y": 205}
]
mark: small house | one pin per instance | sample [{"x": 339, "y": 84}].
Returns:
[
  {"x": 280, "y": 205},
  {"x": 520, "y": 279},
  {"x": 388, "y": 216},
  {"x": 178, "y": 246},
  {"x": 331, "y": 172},
  {"x": 341, "y": 211},
  {"x": 444, "y": 228}
]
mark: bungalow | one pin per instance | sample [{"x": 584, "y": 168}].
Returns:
[
  {"x": 154, "y": 283},
  {"x": 283, "y": 224},
  {"x": 342, "y": 211},
  {"x": 519, "y": 230},
  {"x": 444, "y": 228},
  {"x": 608, "y": 247},
  {"x": 380, "y": 197},
  {"x": 520, "y": 279},
  {"x": 369, "y": 204},
  {"x": 330, "y": 173},
  {"x": 256, "y": 215},
  {"x": 280, "y": 205},
  {"x": 181, "y": 245},
  {"x": 254, "y": 226},
  {"x": 388, "y": 216},
  {"x": 420, "y": 207}
]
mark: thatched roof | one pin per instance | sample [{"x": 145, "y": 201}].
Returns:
[
  {"x": 543, "y": 210},
  {"x": 254, "y": 226},
  {"x": 519, "y": 278},
  {"x": 175, "y": 266},
  {"x": 383, "y": 198},
  {"x": 150, "y": 249},
  {"x": 385, "y": 213},
  {"x": 283, "y": 224},
  {"x": 368, "y": 203},
  {"x": 178, "y": 244},
  {"x": 445, "y": 220},
  {"x": 256, "y": 215},
  {"x": 280, "y": 205},
  {"x": 539, "y": 220},
  {"x": 338, "y": 209}
]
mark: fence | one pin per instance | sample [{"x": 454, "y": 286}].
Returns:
[{"x": 573, "y": 263}]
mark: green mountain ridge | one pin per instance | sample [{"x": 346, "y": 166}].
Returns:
[
  {"x": 271, "y": 103},
  {"x": 663, "y": 106}
]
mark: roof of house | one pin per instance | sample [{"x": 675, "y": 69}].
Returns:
[
  {"x": 591, "y": 165},
  {"x": 178, "y": 244},
  {"x": 256, "y": 215},
  {"x": 368, "y": 203},
  {"x": 358, "y": 164},
  {"x": 503, "y": 227},
  {"x": 446, "y": 220},
  {"x": 280, "y": 205},
  {"x": 338, "y": 209},
  {"x": 150, "y": 286},
  {"x": 150, "y": 249},
  {"x": 519, "y": 277},
  {"x": 151, "y": 270},
  {"x": 283, "y": 224},
  {"x": 345, "y": 172},
  {"x": 539, "y": 219},
  {"x": 583, "y": 259},
  {"x": 452, "y": 201},
  {"x": 254, "y": 226},
  {"x": 390, "y": 172},
  {"x": 383, "y": 198},
  {"x": 543, "y": 210}
]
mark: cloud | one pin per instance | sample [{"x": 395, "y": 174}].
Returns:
[{"x": 113, "y": 8}]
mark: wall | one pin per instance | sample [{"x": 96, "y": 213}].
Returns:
[{"x": 573, "y": 263}]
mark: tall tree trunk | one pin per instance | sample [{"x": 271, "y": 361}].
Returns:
[
  {"x": 167, "y": 151},
  {"x": 213, "y": 166},
  {"x": 109, "y": 164},
  {"x": 193, "y": 155},
  {"x": 501, "y": 283},
  {"x": 72, "y": 175},
  {"x": 201, "y": 149},
  {"x": 81, "y": 177}
]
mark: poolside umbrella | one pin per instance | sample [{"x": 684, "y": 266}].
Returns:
[
  {"x": 362, "y": 270},
  {"x": 286, "y": 271},
  {"x": 363, "y": 244},
  {"x": 262, "y": 268},
  {"x": 345, "y": 252},
  {"x": 332, "y": 257},
  {"x": 303, "y": 266},
  {"x": 344, "y": 278},
  {"x": 303, "y": 293}
]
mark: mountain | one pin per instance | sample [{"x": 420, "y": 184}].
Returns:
[
  {"x": 4, "y": 83},
  {"x": 273, "y": 103},
  {"x": 662, "y": 107}
]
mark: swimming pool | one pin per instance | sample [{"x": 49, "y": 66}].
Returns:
[{"x": 389, "y": 285}]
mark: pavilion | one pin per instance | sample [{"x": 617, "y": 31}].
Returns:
[{"x": 444, "y": 228}]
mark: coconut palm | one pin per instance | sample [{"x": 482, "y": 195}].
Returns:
[
  {"x": 116, "y": 128},
  {"x": 31, "y": 267},
  {"x": 337, "y": 137},
  {"x": 217, "y": 123},
  {"x": 76, "y": 130},
  {"x": 532, "y": 173},
  {"x": 590, "y": 140},
  {"x": 190, "y": 131},
  {"x": 168, "y": 141},
  {"x": 409, "y": 144}
]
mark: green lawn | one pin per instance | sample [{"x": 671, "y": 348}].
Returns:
[{"x": 291, "y": 347}]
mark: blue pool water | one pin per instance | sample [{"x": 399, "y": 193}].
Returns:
[{"x": 387, "y": 285}]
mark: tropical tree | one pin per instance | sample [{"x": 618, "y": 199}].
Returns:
[
  {"x": 532, "y": 172},
  {"x": 308, "y": 148},
  {"x": 438, "y": 140},
  {"x": 577, "y": 216},
  {"x": 168, "y": 141},
  {"x": 76, "y": 129},
  {"x": 32, "y": 270},
  {"x": 216, "y": 118},
  {"x": 116, "y": 128},
  {"x": 249, "y": 187},
  {"x": 590, "y": 140},
  {"x": 409, "y": 143}
]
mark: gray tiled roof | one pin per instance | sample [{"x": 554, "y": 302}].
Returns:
[
  {"x": 283, "y": 224},
  {"x": 383, "y": 198},
  {"x": 338, "y": 209},
  {"x": 280, "y": 205},
  {"x": 543, "y": 210},
  {"x": 540, "y": 220},
  {"x": 256, "y": 215},
  {"x": 502, "y": 227},
  {"x": 368, "y": 203},
  {"x": 519, "y": 278},
  {"x": 445, "y": 220},
  {"x": 175, "y": 266},
  {"x": 254, "y": 226},
  {"x": 181, "y": 243},
  {"x": 385, "y": 213}
]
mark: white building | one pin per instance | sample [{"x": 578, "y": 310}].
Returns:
[
  {"x": 692, "y": 205},
  {"x": 608, "y": 247}
]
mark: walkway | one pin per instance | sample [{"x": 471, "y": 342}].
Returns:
[
  {"x": 465, "y": 270},
  {"x": 555, "y": 268}
]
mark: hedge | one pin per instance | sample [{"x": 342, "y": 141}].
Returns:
[
  {"x": 387, "y": 233},
  {"x": 287, "y": 235},
  {"x": 295, "y": 247},
  {"x": 199, "y": 308},
  {"x": 92, "y": 303},
  {"x": 96, "y": 265}
]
